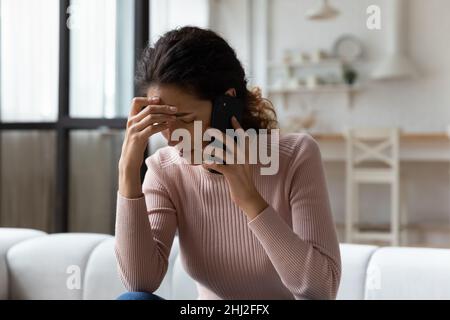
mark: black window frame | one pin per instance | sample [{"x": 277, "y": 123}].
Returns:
[{"x": 65, "y": 123}]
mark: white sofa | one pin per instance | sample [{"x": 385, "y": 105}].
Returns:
[{"x": 36, "y": 265}]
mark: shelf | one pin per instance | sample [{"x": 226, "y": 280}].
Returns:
[
  {"x": 319, "y": 89},
  {"x": 306, "y": 64},
  {"x": 404, "y": 136},
  {"x": 431, "y": 226}
]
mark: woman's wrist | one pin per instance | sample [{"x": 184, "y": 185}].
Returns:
[
  {"x": 254, "y": 206},
  {"x": 130, "y": 184}
]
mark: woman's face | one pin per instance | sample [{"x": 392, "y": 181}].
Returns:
[{"x": 190, "y": 109}]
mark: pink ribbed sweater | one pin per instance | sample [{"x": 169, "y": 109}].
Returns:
[{"x": 289, "y": 251}]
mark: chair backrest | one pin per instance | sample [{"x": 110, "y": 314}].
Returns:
[{"x": 372, "y": 146}]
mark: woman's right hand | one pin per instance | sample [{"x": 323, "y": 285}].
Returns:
[{"x": 147, "y": 117}]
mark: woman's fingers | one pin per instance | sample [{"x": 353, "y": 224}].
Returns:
[
  {"x": 140, "y": 102},
  {"x": 235, "y": 151},
  {"x": 216, "y": 163},
  {"x": 152, "y": 119},
  {"x": 141, "y": 105},
  {"x": 162, "y": 109},
  {"x": 151, "y": 130},
  {"x": 215, "y": 157},
  {"x": 231, "y": 155},
  {"x": 148, "y": 107},
  {"x": 235, "y": 123},
  {"x": 153, "y": 109}
]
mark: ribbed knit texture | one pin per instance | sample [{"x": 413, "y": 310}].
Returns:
[{"x": 289, "y": 251}]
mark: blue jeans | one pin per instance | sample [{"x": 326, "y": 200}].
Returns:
[{"x": 139, "y": 296}]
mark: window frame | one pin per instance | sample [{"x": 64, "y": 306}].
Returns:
[{"x": 65, "y": 123}]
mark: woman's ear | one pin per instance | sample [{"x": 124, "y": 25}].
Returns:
[{"x": 231, "y": 92}]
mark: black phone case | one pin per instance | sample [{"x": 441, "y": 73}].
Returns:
[{"x": 224, "y": 107}]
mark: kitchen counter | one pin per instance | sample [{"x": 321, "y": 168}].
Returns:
[{"x": 422, "y": 147}]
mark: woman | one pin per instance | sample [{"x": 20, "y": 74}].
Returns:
[{"x": 242, "y": 235}]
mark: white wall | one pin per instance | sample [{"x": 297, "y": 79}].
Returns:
[
  {"x": 421, "y": 105},
  {"x": 414, "y": 105},
  {"x": 166, "y": 15},
  {"x": 230, "y": 20}
]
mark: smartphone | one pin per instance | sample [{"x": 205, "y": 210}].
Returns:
[{"x": 223, "y": 109}]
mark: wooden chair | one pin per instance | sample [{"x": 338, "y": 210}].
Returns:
[{"x": 372, "y": 158}]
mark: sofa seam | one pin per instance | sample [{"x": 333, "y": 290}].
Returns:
[
  {"x": 87, "y": 264},
  {"x": 366, "y": 268},
  {"x": 8, "y": 273}
]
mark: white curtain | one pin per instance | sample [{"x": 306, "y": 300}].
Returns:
[
  {"x": 101, "y": 85},
  {"x": 93, "y": 175},
  {"x": 93, "y": 57},
  {"x": 29, "y": 33},
  {"x": 27, "y": 184}
]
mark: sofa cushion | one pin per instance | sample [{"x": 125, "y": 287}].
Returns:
[
  {"x": 51, "y": 267},
  {"x": 101, "y": 279},
  {"x": 8, "y": 238},
  {"x": 355, "y": 259},
  {"x": 408, "y": 273},
  {"x": 42, "y": 266}
]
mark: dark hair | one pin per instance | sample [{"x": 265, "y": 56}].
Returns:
[{"x": 203, "y": 63}]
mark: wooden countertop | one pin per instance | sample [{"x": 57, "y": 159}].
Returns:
[
  {"x": 421, "y": 147},
  {"x": 405, "y": 136}
]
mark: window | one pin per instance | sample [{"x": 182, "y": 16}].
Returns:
[
  {"x": 29, "y": 82},
  {"x": 101, "y": 38},
  {"x": 93, "y": 179},
  {"x": 66, "y": 80},
  {"x": 28, "y": 182}
]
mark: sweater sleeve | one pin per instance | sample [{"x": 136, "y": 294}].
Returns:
[
  {"x": 306, "y": 256},
  {"x": 144, "y": 233}
]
